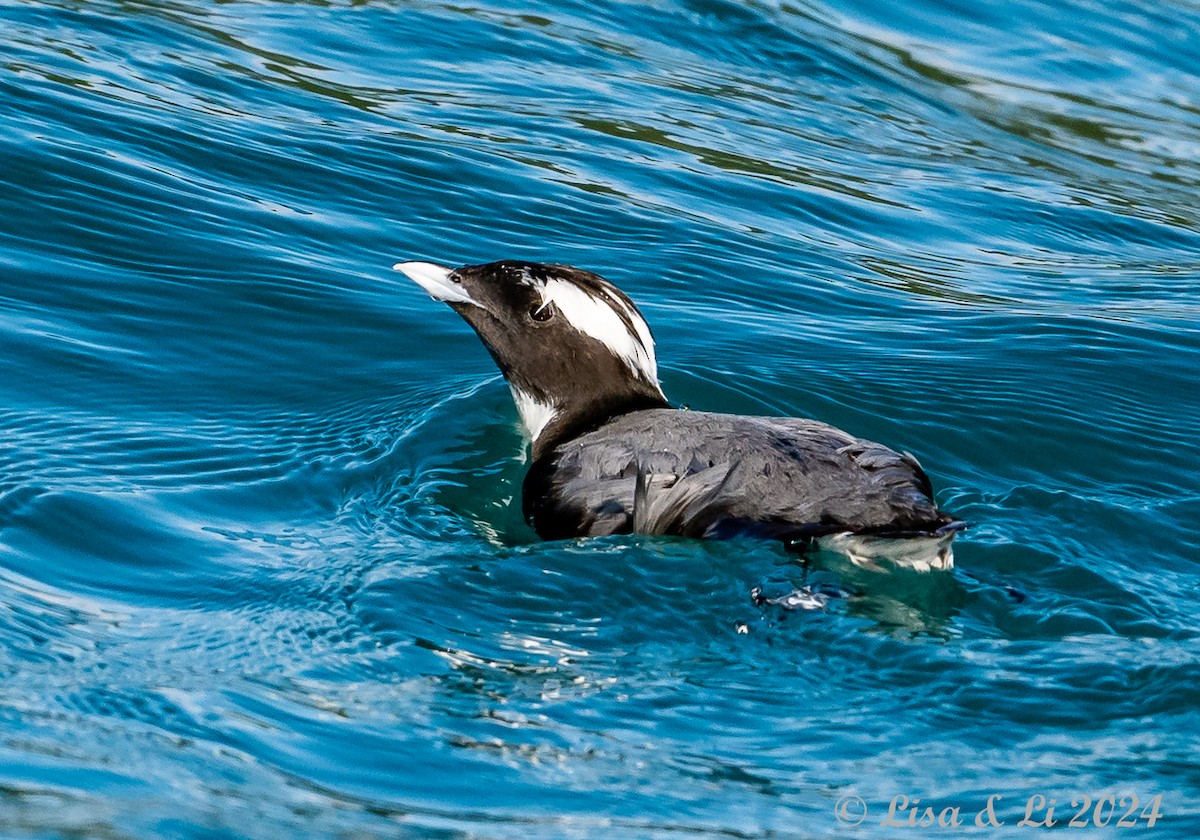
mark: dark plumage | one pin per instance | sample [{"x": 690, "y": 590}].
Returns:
[{"x": 611, "y": 457}]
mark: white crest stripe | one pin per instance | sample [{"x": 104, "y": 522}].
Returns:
[{"x": 600, "y": 319}]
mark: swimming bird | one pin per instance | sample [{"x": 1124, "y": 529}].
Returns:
[{"x": 610, "y": 455}]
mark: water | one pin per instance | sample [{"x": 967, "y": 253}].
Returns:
[{"x": 261, "y": 569}]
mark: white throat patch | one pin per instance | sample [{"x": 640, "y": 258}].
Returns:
[
  {"x": 535, "y": 416},
  {"x": 598, "y": 317}
]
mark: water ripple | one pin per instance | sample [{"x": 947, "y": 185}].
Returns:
[{"x": 261, "y": 552}]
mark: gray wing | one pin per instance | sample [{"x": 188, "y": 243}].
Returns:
[{"x": 699, "y": 474}]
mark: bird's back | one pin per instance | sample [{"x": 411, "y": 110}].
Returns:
[{"x": 699, "y": 474}]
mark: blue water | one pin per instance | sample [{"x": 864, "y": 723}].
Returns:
[{"x": 262, "y": 571}]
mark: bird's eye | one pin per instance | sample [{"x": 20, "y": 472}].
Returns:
[{"x": 542, "y": 312}]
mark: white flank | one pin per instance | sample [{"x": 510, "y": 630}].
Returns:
[
  {"x": 921, "y": 554},
  {"x": 598, "y": 318},
  {"x": 435, "y": 279},
  {"x": 535, "y": 416}
]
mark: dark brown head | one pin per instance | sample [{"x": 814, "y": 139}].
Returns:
[{"x": 574, "y": 349}]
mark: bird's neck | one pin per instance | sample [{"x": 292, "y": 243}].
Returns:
[{"x": 578, "y": 418}]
